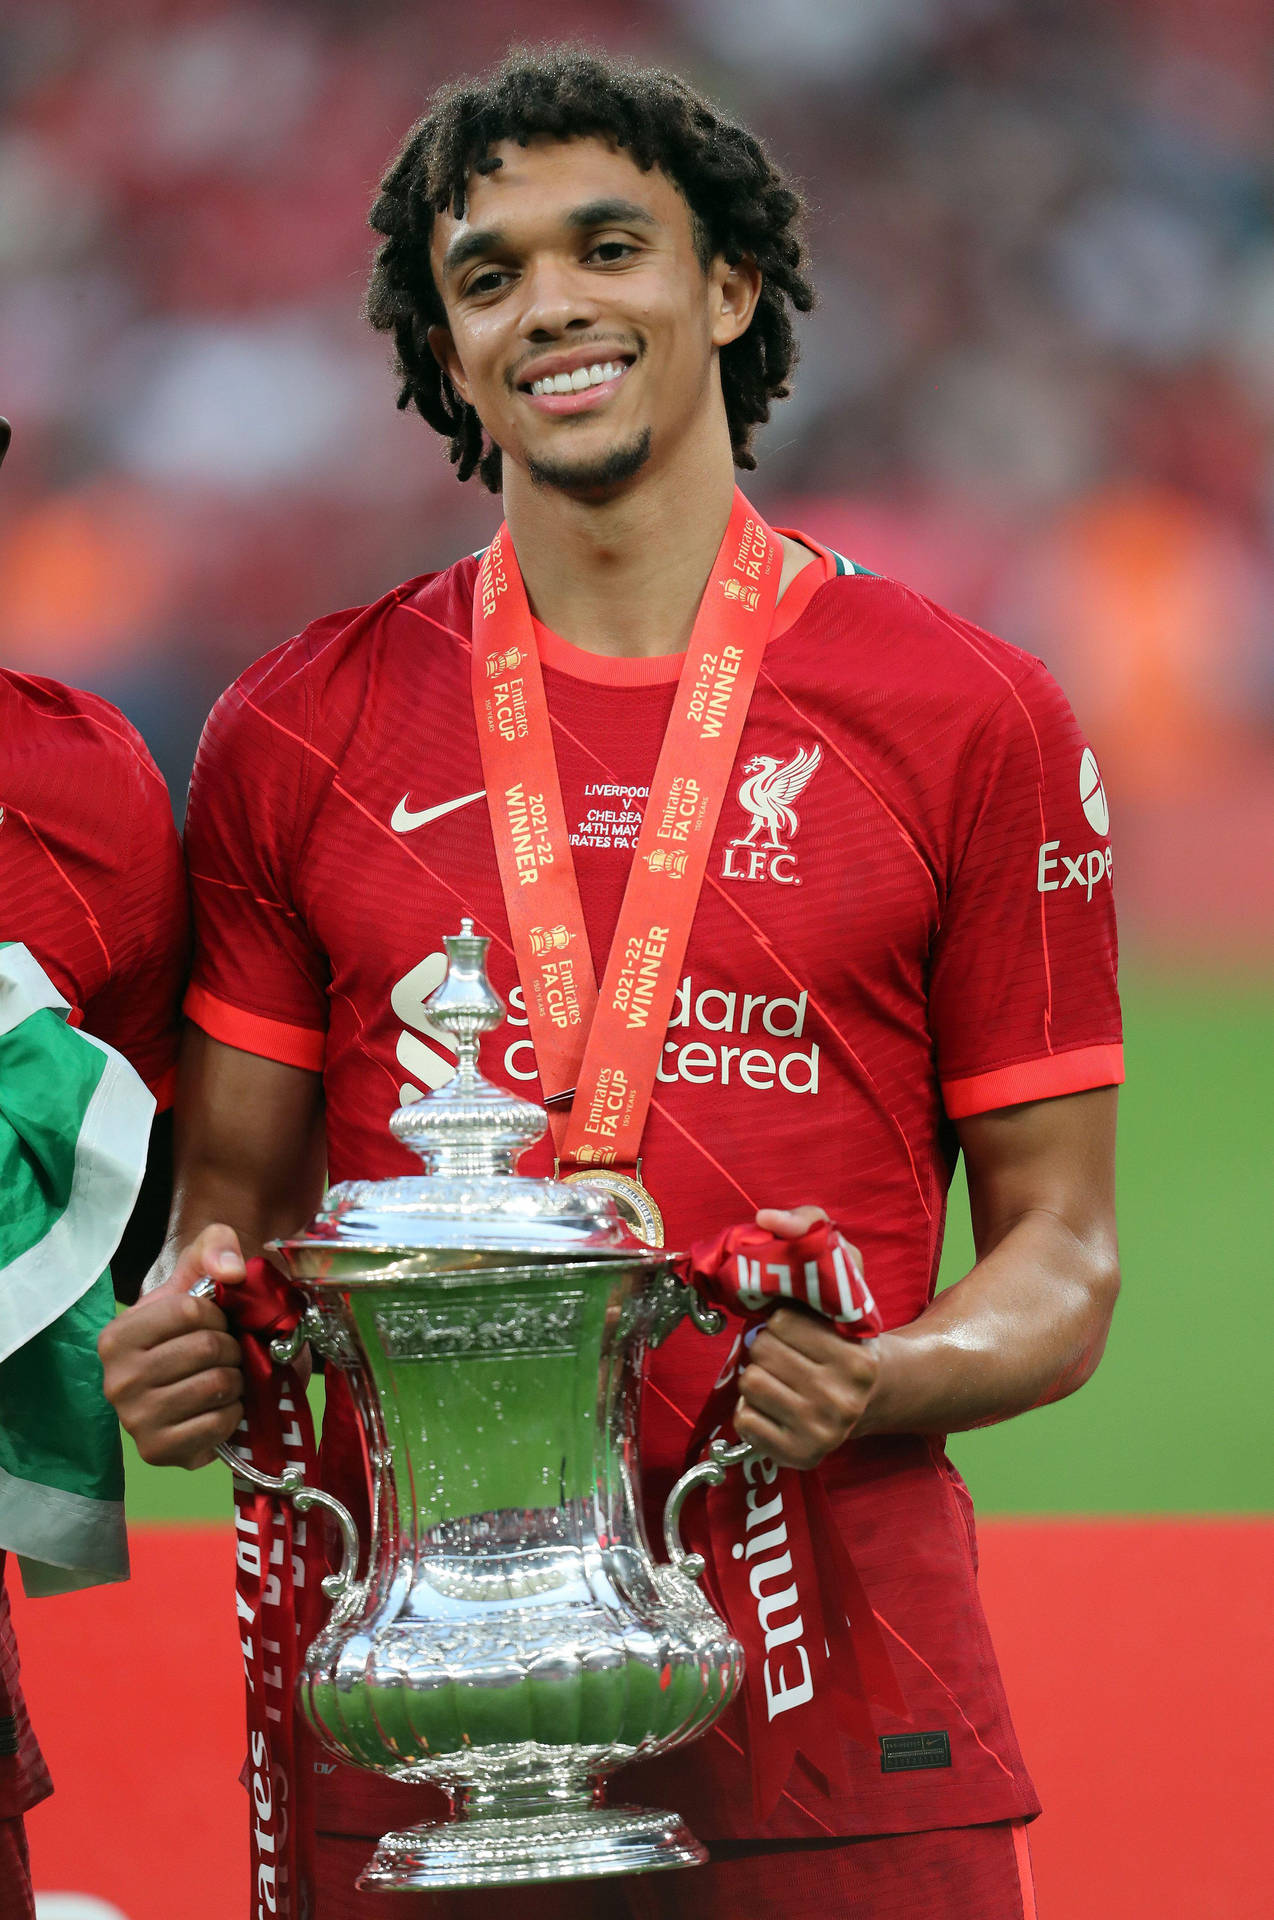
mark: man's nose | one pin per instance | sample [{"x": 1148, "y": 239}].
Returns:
[{"x": 556, "y": 299}]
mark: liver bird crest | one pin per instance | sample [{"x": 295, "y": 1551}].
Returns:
[{"x": 768, "y": 793}]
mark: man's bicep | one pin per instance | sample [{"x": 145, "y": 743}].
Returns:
[
  {"x": 250, "y": 1145},
  {"x": 1055, "y": 1156}
]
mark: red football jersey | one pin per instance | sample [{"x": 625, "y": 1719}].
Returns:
[
  {"x": 90, "y": 868},
  {"x": 907, "y": 919},
  {"x": 91, "y": 883}
]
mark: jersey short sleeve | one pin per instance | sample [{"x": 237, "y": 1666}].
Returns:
[
  {"x": 258, "y": 981},
  {"x": 1023, "y": 997}
]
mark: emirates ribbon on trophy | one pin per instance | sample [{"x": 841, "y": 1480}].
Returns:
[
  {"x": 599, "y": 1051},
  {"x": 776, "y": 1563},
  {"x": 279, "y": 1561}
]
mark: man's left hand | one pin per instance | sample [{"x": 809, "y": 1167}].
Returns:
[{"x": 804, "y": 1388}]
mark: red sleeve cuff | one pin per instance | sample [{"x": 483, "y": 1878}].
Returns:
[
  {"x": 253, "y": 1033},
  {"x": 1057, "y": 1073}
]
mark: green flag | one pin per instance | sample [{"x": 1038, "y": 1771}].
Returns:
[{"x": 74, "y": 1125}]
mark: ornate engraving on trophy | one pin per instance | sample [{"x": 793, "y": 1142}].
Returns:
[{"x": 517, "y": 1325}]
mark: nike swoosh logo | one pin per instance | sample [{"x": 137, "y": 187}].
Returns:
[{"x": 404, "y": 820}]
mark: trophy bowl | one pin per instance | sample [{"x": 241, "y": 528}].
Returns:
[{"x": 512, "y": 1639}]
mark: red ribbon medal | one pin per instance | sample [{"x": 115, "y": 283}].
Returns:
[
  {"x": 603, "y": 1048},
  {"x": 776, "y": 1564}
]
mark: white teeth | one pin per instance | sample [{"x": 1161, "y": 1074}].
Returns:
[{"x": 594, "y": 376}]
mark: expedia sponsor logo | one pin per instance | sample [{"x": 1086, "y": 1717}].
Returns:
[
  {"x": 788, "y": 1681},
  {"x": 768, "y": 792},
  {"x": 1086, "y": 870},
  {"x": 549, "y": 939},
  {"x": 1055, "y": 871},
  {"x": 1092, "y": 793},
  {"x": 528, "y": 833},
  {"x": 503, "y": 662},
  {"x": 659, "y": 860},
  {"x": 713, "y": 689}
]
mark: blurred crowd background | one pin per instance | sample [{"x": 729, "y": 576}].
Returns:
[{"x": 1039, "y": 385}]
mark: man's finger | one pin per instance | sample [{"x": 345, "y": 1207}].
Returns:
[
  {"x": 215, "y": 1253},
  {"x": 218, "y": 1390},
  {"x": 193, "y": 1444},
  {"x": 804, "y": 1331},
  {"x": 771, "y": 1439},
  {"x": 786, "y": 1361},
  {"x": 789, "y": 1223},
  {"x": 155, "y": 1320},
  {"x": 188, "y": 1356},
  {"x": 783, "y": 1404}
]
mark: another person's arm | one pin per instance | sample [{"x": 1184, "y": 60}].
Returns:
[
  {"x": 249, "y": 1148},
  {"x": 249, "y": 1166},
  {"x": 1027, "y": 1325}
]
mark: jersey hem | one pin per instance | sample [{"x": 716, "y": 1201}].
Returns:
[
  {"x": 253, "y": 1032},
  {"x": 1076, "y": 1071}
]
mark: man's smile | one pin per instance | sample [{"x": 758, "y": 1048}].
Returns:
[{"x": 574, "y": 382}]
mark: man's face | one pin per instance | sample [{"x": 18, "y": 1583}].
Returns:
[{"x": 572, "y": 269}]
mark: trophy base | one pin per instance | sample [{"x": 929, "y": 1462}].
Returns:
[{"x": 577, "y": 1843}]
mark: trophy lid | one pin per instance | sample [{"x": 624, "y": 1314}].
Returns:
[{"x": 469, "y": 1209}]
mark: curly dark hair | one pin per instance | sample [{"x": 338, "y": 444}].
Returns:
[{"x": 740, "y": 207}]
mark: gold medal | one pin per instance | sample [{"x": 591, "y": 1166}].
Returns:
[{"x": 637, "y": 1205}]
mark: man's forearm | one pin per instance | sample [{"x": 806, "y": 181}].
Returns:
[
  {"x": 206, "y": 1194},
  {"x": 1026, "y": 1326}
]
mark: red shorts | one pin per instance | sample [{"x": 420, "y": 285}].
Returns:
[
  {"x": 949, "y": 1873},
  {"x": 16, "y": 1902}
]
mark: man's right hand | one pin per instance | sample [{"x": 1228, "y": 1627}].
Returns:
[{"x": 171, "y": 1370}]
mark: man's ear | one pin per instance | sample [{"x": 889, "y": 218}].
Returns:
[
  {"x": 734, "y": 292},
  {"x": 443, "y": 348}
]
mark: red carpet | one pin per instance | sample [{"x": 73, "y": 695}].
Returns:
[{"x": 1139, "y": 1657}]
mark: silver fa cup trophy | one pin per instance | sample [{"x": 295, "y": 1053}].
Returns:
[{"x": 513, "y": 1639}]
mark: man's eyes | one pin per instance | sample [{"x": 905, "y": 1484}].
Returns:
[
  {"x": 604, "y": 252},
  {"x": 609, "y": 250}
]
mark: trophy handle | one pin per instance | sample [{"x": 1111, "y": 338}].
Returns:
[
  {"x": 707, "y": 1473},
  {"x": 671, "y": 1302},
  {"x": 340, "y": 1587}
]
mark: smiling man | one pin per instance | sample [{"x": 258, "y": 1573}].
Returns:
[{"x": 590, "y": 277}]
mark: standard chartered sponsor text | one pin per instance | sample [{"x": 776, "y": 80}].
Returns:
[{"x": 740, "y": 1052}]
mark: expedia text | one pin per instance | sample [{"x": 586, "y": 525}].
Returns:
[{"x": 1088, "y": 870}]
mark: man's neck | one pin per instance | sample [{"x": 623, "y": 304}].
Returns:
[{"x": 625, "y": 577}]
